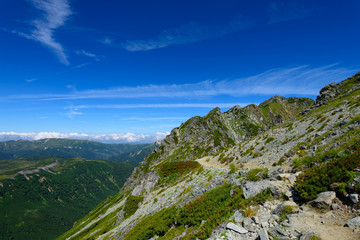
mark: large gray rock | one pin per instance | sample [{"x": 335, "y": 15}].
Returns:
[
  {"x": 354, "y": 197},
  {"x": 236, "y": 228},
  {"x": 278, "y": 232},
  {"x": 263, "y": 235},
  {"x": 324, "y": 199},
  {"x": 355, "y": 222},
  {"x": 238, "y": 217},
  {"x": 251, "y": 189},
  {"x": 247, "y": 224},
  {"x": 274, "y": 172}
]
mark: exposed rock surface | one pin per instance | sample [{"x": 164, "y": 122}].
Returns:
[
  {"x": 354, "y": 222},
  {"x": 324, "y": 199},
  {"x": 236, "y": 228},
  {"x": 269, "y": 136}
]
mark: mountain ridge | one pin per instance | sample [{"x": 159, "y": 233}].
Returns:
[
  {"x": 68, "y": 148},
  {"x": 315, "y": 137}
]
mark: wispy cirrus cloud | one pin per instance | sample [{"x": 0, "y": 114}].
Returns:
[
  {"x": 86, "y": 53},
  {"x": 187, "y": 33},
  {"x": 54, "y": 15},
  {"x": 283, "y": 11},
  {"x": 30, "y": 80},
  {"x": 107, "y": 41},
  {"x": 115, "y": 137},
  {"x": 175, "y": 105},
  {"x": 299, "y": 80}
]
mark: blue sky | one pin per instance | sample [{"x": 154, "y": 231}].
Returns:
[{"x": 130, "y": 71}]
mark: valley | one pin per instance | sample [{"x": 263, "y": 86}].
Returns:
[{"x": 42, "y": 196}]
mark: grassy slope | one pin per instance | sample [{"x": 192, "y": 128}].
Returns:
[{"x": 48, "y": 204}]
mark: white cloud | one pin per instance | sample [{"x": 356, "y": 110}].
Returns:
[
  {"x": 73, "y": 112},
  {"x": 85, "y": 53},
  {"x": 300, "y": 80},
  {"x": 187, "y": 33},
  {"x": 54, "y": 15},
  {"x": 283, "y": 11},
  {"x": 82, "y": 65},
  {"x": 88, "y": 54},
  {"x": 30, "y": 80},
  {"x": 176, "y": 105},
  {"x": 116, "y": 137},
  {"x": 107, "y": 41}
]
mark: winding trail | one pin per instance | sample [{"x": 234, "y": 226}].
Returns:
[{"x": 210, "y": 161}]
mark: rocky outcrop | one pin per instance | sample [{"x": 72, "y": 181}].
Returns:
[
  {"x": 270, "y": 137},
  {"x": 327, "y": 93},
  {"x": 149, "y": 181},
  {"x": 324, "y": 199}
]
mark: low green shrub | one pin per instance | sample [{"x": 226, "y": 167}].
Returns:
[
  {"x": 131, "y": 205},
  {"x": 320, "y": 176},
  {"x": 257, "y": 174},
  {"x": 215, "y": 206},
  {"x": 286, "y": 211},
  {"x": 269, "y": 139}
]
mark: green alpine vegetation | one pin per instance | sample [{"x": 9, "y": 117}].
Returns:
[
  {"x": 43, "y": 204},
  {"x": 216, "y": 206}
]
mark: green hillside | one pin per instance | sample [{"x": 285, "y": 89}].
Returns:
[
  {"x": 46, "y": 203},
  {"x": 66, "y": 148}
]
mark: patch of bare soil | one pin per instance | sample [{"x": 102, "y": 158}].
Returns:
[
  {"x": 212, "y": 162},
  {"x": 328, "y": 226}
]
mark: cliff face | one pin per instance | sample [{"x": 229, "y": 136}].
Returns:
[{"x": 234, "y": 157}]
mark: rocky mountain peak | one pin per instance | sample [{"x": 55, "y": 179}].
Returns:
[{"x": 234, "y": 160}]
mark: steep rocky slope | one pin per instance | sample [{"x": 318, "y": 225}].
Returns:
[{"x": 227, "y": 175}]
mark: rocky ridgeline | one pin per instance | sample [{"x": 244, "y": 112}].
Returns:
[
  {"x": 270, "y": 139},
  {"x": 205, "y": 136}
]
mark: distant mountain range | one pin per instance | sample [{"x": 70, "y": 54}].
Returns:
[{"x": 68, "y": 148}]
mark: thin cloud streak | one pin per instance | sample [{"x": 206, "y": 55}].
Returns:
[
  {"x": 300, "y": 80},
  {"x": 55, "y": 14},
  {"x": 155, "y": 118},
  {"x": 187, "y": 33},
  {"x": 115, "y": 137},
  {"x": 180, "y": 105},
  {"x": 283, "y": 11}
]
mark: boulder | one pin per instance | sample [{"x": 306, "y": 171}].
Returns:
[
  {"x": 247, "y": 224},
  {"x": 274, "y": 172},
  {"x": 324, "y": 199},
  {"x": 263, "y": 235},
  {"x": 278, "y": 232},
  {"x": 255, "y": 219},
  {"x": 236, "y": 228},
  {"x": 251, "y": 189},
  {"x": 354, "y": 198},
  {"x": 354, "y": 222},
  {"x": 238, "y": 217}
]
